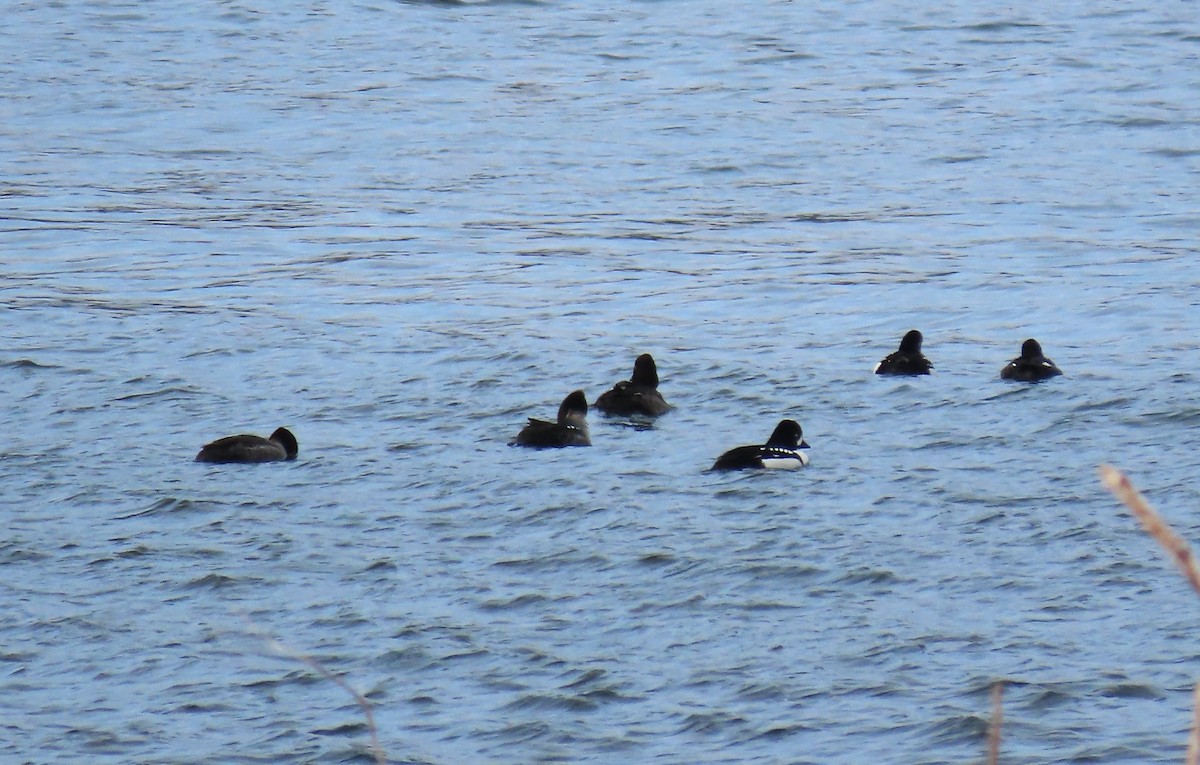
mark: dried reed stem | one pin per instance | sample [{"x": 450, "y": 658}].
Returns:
[
  {"x": 993, "y": 757},
  {"x": 1118, "y": 483},
  {"x": 361, "y": 700},
  {"x": 1193, "y": 750}
]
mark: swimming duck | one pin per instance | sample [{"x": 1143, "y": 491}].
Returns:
[
  {"x": 570, "y": 430},
  {"x": 638, "y": 395},
  {"x": 1031, "y": 365},
  {"x": 246, "y": 448},
  {"x": 780, "y": 451},
  {"x": 908, "y": 360}
]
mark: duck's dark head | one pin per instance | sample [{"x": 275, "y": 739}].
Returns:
[
  {"x": 911, "y": 342},
  {"x": 284, "y": 438},
  {"x": 573, "y": 410},
  {"x": 788, "y": 435},
  {"x": 1030, "y": 349},
  {"x": 645, "y": 372}
]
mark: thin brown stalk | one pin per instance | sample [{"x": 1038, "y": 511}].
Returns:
[
  {"x": 994, "y": 727},
  {"x": 363, "y": 703},
  {"x": 1193, "y": 750},
  {"x": 1118, "y": 483},
  {"x": 1179, "y": 550}
]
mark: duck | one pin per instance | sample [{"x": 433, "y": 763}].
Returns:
[
  {"x": 908, "y": 360},
  {"x": 281, "y": 446},
  {"x": 781, "y": 452},
  {"x": 637, "y": 395},
  {"x": 1031, "y": 365},
  {"x": 570, "y": 429}
]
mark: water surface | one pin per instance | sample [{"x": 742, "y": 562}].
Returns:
[{"x": 400, "y": 229}]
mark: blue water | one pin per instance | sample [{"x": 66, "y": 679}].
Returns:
[{"x": 400, "y": 229}]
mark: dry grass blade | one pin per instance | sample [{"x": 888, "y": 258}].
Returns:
[
  {"x": 361, "y": 700},
  {"x": 1193, "y": 749},
  {"x": 1118, "y": 483},
  {"x": 993, "y": 757}
]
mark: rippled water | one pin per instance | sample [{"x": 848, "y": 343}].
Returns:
[{"x": 402, "y": 228}]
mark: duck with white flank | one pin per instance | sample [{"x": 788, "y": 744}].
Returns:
[{"x": 781, "y": 452}]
